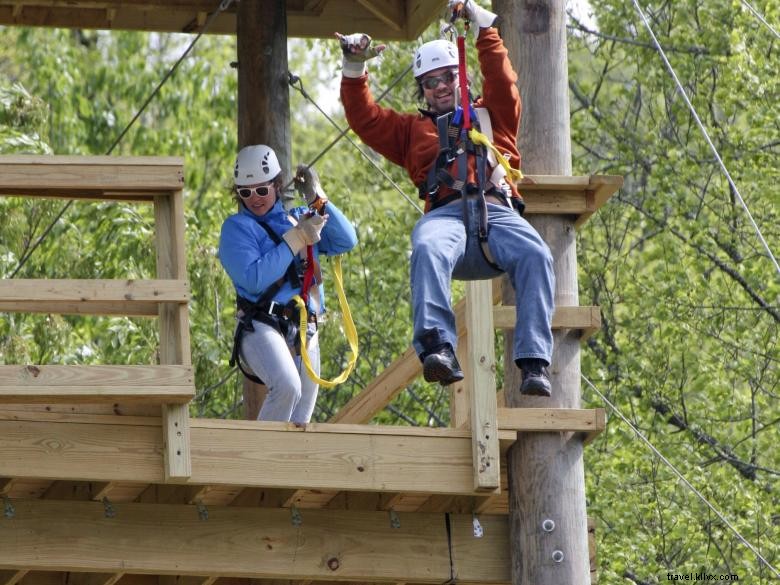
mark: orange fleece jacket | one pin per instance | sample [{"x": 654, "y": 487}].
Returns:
[{"x": 411, "y": 140}]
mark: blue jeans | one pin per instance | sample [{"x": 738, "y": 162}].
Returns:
[
  {"x": 441, "y": 251},
  {"x": 291, "y": 393}
]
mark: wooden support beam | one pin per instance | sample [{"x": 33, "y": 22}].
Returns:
[
  {"x": 21, "y": 290},
  {"x": 94, "y": 578},
  {"x": 591, "y": 422},
  {"x": 482, "y": 384},
  {"x": 136, "y": 178},
  {"x": 6, "y": 483},
  {"x": 587, "y": 318},
  {"x": 389, "y": 12},
  {"x": 95, "y": 384},
  {"x": 174, "y": 330},
  {"x": 257, "y": 543},
  {"x": 11, "y": 577}
]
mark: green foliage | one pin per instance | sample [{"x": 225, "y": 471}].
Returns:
[
  {"x": 690, "y": 306},
  {"x": 689, "y": 297}
]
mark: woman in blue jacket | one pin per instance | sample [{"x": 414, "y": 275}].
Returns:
[{"x": 263, "y": 248}]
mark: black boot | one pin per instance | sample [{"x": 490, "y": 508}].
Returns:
[
  {"x": 536, "y": 380},
  {"x": 441, "y": 365}
]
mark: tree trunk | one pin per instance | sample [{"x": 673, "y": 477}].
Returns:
[{"x": 263, "y": 103}]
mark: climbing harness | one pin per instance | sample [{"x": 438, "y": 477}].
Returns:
[
  {"x": 460, "y": 137},
  {"x": 265, "y": 310}
]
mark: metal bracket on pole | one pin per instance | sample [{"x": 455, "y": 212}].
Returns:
[
  {"x": 8, "y": 508},
  {"x": 108, "y": 509}
]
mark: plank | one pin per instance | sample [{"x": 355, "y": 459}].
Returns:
[
  {"x": 99, "y": 177},
  {"x": 126, "y": 308},
  {"x": 96, "y": 375},
  {"x": 589, "y": 421},
  {"x": 24, "y": 290},
  {"x": 482, "y": 383},
  {"x": 95, "y": 384},
  {"x": 585, "y": 318},
  {"x": 258, "y": 543}
]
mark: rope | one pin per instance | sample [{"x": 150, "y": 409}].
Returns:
[
  {"x": 349, "y": 328},
  {"x": 294, "y": 79},
  {"x": 223, "y": 5},
  {"x": 706, "y": 135},
  {"x": 761, "y": 18},
  {"x": 688, "y": 484}
]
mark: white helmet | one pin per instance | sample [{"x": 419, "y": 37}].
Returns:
[
  {"x": 256, "y": 164},
  {"x": 434, "y": 55}
]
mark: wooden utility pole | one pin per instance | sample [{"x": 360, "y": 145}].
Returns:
[
  {"x": 263, "y": 102},
  {"x": 548, "y": 524}
]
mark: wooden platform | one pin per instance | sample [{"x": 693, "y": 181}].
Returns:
[{"x": 93, "y": 495}]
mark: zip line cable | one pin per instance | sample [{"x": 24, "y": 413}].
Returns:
[
  {"x": 690, "y": 486},
  {"x": 223, "y": 5},
  {"x": 294, "y": 79},
  {"x": 761, "y": 18},
  {"x": 706, "y": 135}
]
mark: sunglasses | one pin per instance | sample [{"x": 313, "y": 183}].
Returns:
[
  {"x": 433, "y": 82},
  {"x": 246, "y": 192}
]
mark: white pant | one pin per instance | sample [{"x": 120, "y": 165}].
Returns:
[{"x": 291, "y": 393}]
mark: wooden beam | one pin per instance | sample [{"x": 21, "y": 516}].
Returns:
[
  {"x": 481, "y": 382},
  {"x": 244, "y": 453},
  {"x": 20, "y": 291},
  {"x": 12, "y": 577},
  {"x": 89, "y": 177},
  {"x": 587, "y": 318},
  {"x": 588, "y": 421},
  {"x": 362, "y": 407},
  {"x": 174, "y": 331},
  {"x": 94, "y": 578},
  {"x": 257, "y": 543},
  {"x": 126, "y": 309},
  {"x": 95, "y": 384},
  {"x": 389, "y": 12}
]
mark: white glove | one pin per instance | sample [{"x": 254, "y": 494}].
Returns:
[
  {"x": 357, "y": 50},
  {"x": 307, "y": 183},
  {"x": 306, "y": 233},
  {"x": 472, "y": 11}
]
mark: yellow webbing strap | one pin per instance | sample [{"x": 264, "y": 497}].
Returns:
[
  {"x": 349, "y": 330},
  {"x": 513, "y": 175}
]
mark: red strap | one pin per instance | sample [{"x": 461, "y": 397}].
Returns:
[
  {"x": 464, "y": 83},
  {"x": 308, "y": 276}
]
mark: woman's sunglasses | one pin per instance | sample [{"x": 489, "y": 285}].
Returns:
[
  {"x": 433, "y": 82},
  {"x": 246, "y": 192}
]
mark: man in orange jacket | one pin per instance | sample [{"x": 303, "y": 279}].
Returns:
[{"x": 472, "y": 227}]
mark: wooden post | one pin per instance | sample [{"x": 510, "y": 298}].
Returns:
[
  {"x": 548, "y": 525},
  {"x": 174, "y": 330},
  {"x": 263, "y": 103}
]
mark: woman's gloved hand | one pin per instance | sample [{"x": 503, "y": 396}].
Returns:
[
  {"x": 306, "y": 233},
  {"x": 307, "y": 183}
]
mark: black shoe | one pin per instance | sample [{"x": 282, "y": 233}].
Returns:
[
  {"x": 536, "y": 380},
  {"x": 442, "y": 366}
]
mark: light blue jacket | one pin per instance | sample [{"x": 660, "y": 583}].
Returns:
[{"x": 254, "y": 262}]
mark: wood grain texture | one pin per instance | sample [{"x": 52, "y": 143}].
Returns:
[{"x": 247, "y": 542}]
